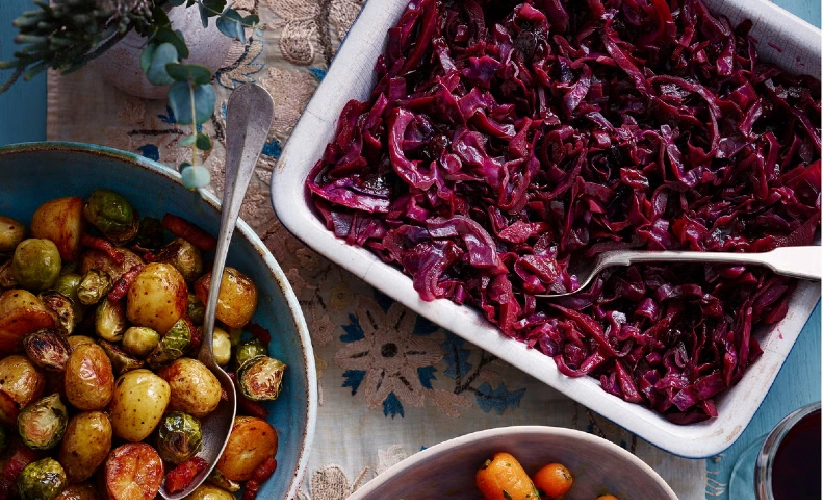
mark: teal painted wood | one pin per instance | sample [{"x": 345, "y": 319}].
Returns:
[
  {"x": 808, "y": 10},
  {"x": 23, "y": 106}
]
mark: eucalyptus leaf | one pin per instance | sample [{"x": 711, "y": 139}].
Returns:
[
  {"x": 204, "y": 15},
  {"x": 187, "y": 141},
  {"x": 203, "y": 142},
  {"x": 159, "y": 17},
  {"x": 180, "y": 96},
  {"x": 214, "y": 7},
  {"x": 230, "y": 23},
  {"x": 177, "y": 3},
  {"x": 164, "y": 54},
  {"x": 175, "y": 37},
  {"x": 146, "y": 55},
  {"x": 193, "y": 73}
]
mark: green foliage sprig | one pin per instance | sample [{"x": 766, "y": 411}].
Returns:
[{"x": 70, "y": 33}]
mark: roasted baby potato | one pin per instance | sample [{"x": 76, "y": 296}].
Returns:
[
  {"x": 21, "y": 313},
  {"x": 237, "y": 299},
  {"x": 157, "y": 298},
  {"x": 140, "y": 398},
  {"x": 194, "y": 388},
  {"x": 89, "y": 378},
  {"x": 60, "y": 221},
  {"x": 85, "y": 445},
  {"x": 250, "y": 442},
  {"x": 12, "y": 232}
]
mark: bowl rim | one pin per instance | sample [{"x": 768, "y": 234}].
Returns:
[
  {"x": 251, "y": 236},
  {"x": 467, "y": 440}
]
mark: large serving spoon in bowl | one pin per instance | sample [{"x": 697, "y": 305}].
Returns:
[
  {"x": 798, "y": 262},
  {"x": 249, "y": 115}
]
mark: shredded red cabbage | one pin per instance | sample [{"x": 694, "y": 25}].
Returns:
[{"x": 505, "y": 139}]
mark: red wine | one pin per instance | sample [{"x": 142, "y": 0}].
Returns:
[{"x": 796, "y": 466}]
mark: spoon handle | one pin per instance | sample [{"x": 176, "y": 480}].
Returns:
[
  {"x": 249, "y": 115},
  {"x": 798, "y": 262}
]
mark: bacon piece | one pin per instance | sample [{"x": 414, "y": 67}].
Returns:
[
  {"x": 189, "y": 232},
  {"x": 90, "y": 241},
  {"x": 260, "y": 474},
  {"x": 258, "y": 331},
  {"x": 196, "y": 335},
  {"x": 21, "y": 457},
  {"x": 184, "y": 473},
  {"x": 121, "y": 287}
]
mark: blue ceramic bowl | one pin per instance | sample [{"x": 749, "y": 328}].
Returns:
[{"x": 31, "y": 174}]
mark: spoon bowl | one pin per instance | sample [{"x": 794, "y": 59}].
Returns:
[{"x": 249, "y": 115}]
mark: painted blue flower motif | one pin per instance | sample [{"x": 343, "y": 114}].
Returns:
[
  {"x": 168, "y": 117},
  {"x": 318, "y": 73},
  {"x": 385, "y": 358},
  {"x": 498, "y": 399},
  {"x": 456, "y": 356},
  {"x": 150, "y": 151},
  {"x": 272, "y": 149}
]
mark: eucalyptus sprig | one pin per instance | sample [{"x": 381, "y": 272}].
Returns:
[{"x": 67, "y": 34}]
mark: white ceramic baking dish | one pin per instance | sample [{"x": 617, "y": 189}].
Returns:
[{"x": 782, "y": 38}]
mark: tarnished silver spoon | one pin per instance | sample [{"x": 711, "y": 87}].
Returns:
[
  {"x": 797, "y": 262},
  {"x": 249, "y": 115}
]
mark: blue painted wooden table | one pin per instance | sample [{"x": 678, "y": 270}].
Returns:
[{"x": 23, "y": 119}]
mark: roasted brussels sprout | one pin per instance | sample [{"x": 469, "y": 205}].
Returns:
[
  {"x": 113, "y": 215},
  {"x": 221, "y": 346},
  {"x": 140, "y": 340},
  {"x": 67, "y": 284},
  {"x": 41, "y": 480},
  {"x": 210, "y": 492},
  {"x": 196, "y": 310},
  {"x": 42, "y": 424},
  {"x": 12, "y": 232},
  {"x": 261, "y": 378},
  {"x": 149, "y": 234},
  {"x": 184, "y": 256},
  {"x": 121, "y": 361},
  {"x": 36, "y": 264},
  {"x": 7, "y": 279},
  {"x": 110, "y": 320},
  {"x": 218, "y": 479},
  {"x": 179, "y": 436},
  {"x": 249, "y": 349},
  {"x": 173, "y": 344},
  {"x": 62, "y": 307},
  {"x": 47, "y": 349},
  {"x": 94, "y": 285}
]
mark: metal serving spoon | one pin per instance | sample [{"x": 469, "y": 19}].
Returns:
[
  {"x": 797, "y": 262},
  {"x": 249, "y": 115}
]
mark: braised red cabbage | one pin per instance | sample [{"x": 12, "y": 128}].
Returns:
[{"x": 505, "y": 139}]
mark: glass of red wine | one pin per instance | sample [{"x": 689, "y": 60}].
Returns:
[{"x": 784, "y": 464}]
